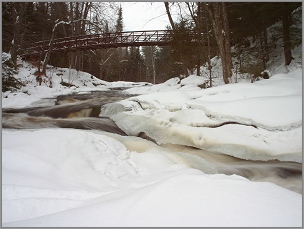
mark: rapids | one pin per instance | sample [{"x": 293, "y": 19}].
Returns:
[{"x": 81, "y": 111}]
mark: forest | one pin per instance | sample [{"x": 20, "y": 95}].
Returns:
[
  {"x": 218, "y": 27},
  {"x": 205, "y": 130}
]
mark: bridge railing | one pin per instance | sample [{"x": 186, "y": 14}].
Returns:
[{"x": 106, "y": 40}]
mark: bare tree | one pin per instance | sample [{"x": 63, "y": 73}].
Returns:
[
  {"x": 50, "y": 45},
  {"x": 184, "y": 59},
  {"x": 18, "y": 10},
  {"x": 286, "y": 38},
  {"x": 218, "y": 15}
]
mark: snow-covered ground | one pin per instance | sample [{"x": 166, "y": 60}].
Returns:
[
  {"x": 57, "y": 177},
  {"x": 257, "y": 121},
  {"x": 66, "y": 177}
]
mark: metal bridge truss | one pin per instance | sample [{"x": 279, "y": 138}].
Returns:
[{"x": 106, "y": 40}]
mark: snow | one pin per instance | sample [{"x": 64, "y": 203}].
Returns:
[
  {"x": 257, "y": 121},
  {"x": 32, "y": 93},
  {"x": 88, "y": 178},
  {"x": 77, "y": 178}
]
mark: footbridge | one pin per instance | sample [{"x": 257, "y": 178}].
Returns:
[{"x": 107, "y": 40}]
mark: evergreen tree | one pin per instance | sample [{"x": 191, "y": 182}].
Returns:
[
  {"x": 9, "y": 82},
  {"x": 119, "y": 22},
  {"x": 136, "y": 69},
  {"x": 166, "y": 67}
]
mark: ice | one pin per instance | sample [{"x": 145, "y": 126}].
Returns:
[
  {"x": 259, "y": 121},
  {"x": 80, "y": 178},
  {"x": 245, "y": 142},
  {"x": 272, "y": 113},
  {"x": 113, "y": 108}
]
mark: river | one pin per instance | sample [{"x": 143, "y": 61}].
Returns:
[{"x": 81, "y": 111}]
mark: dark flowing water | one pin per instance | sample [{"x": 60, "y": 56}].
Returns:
[
  {"x": 78, "y": 111},
  {"x": 81, "y": 111}
]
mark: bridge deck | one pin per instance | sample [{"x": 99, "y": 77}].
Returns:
[{"x": 106, "y": 40}]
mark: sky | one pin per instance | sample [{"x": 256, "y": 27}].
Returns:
[{"x": 144, "y": 16}]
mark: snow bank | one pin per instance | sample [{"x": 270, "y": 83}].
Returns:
[
  {"x": 193, "y": 80},
  {"x": 76, "y": 178},
  {"x": 169, "y": 85},
  {"x": 272, "y": 113},
  {"x": 257, "y": 121},
  {"x": 31, "y": 94}
]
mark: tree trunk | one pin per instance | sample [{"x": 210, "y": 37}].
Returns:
[
  {"x": 15, "y": 32},
  {"x": 198, "y": 65},
  {"x": 286, "y": 38},
  {"x": 227, "y": 45},
  {"x": 47, "y": 56},
  {"x": 266, "y": 45},
  {"x": 184, "y": 63},
  {"x": 17, "y": 15},
  {"x": 169, "y": 15},
  {"x": 218, "y": 15},
  {"x": 85, "y": 15},
  {"x": 154, "y": 74},
  {"x": 198, "y": 26},
  {"x": 207, "y": 52},
  {"x": 71, "y": 55},
  {"x": 262, "y": 52}
]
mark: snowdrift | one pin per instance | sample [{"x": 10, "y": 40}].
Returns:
[
  {"x": 258, "y": 121},
  {"x": 74, "y": 178}
]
